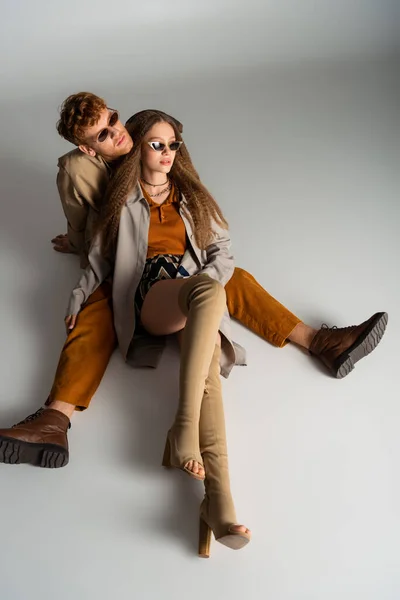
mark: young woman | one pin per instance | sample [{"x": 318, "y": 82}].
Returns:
[{"x": 164, "y": 240}]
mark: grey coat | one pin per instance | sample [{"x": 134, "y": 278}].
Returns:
[{"x": 217, "y": 261}]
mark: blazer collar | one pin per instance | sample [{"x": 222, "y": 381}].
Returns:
[{"x": 135, "y": 195}]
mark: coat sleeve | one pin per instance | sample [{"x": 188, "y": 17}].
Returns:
[
  {"x": 220, "y": 262},
  {"x": 75, "y": 209},
  {"x": 92, "y": 277}
]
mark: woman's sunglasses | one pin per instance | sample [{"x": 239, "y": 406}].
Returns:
[
  {"x": 103, "y": 135},
  {"x": 159, "y": 146}
]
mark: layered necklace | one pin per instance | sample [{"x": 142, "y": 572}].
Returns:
[{"x": 163, "y": 191}]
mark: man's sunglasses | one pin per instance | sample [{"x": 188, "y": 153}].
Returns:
[
  {"x": 103, "y": 135},
  {"x": 160, "y": 147}
]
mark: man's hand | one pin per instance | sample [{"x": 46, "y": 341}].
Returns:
[
  {"x": 70, "y": 322},
  {"x": 61, "y": 244}
]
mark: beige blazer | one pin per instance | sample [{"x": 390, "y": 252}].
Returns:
[
  {"x": 81, "y": 181},
  {"x": 217, "y": 261}
]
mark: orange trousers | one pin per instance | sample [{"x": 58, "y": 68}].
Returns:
[{"x": 89, "y": 346}]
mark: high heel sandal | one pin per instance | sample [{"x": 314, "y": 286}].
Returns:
[
  {"x": 203, "y": 301},
  {"x": 232, "y": 539},
  {"x": 217, "y": 512},
  {"x": 169, "y": 463}
]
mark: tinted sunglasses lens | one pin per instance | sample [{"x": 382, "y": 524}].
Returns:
[
  {"x": 102, "y": 135},
  {"x": 157, "y": 146},
  {"x": 113, "y": 119},
  {"x": 174, "y": 146}
]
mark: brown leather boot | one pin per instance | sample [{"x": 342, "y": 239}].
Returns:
[
  {"x": 340, "y": 348},
  {"x": 40, "y": 440}
]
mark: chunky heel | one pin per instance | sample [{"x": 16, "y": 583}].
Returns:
[
  {"x": 204, "y": 539},
  {"x": 235, "y": 540}
]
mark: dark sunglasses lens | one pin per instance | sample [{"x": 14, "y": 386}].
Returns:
[
  {"x": 158, "y": 146},
  {"x": 113, "y": 119},
  {"x": 102, "y": 135},
  {"x": 174, "y": 146}
]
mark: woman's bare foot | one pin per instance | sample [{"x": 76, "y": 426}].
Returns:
[
  {"x": 239, "y": 529},
  {"x": 192, "y": 467},
  {"x": 196, "y": 468}
]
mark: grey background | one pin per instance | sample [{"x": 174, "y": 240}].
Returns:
[{"x": 291, "y": 113}]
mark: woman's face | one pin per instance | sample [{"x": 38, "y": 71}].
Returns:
[{"x": 158, "y": 161}]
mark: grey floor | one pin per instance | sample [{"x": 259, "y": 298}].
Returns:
[{"x": 304, "y": 159}]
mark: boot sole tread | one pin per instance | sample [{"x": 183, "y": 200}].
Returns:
[
  {"x": 48, "y": 456},
  {"x": 363, "y": 346}
]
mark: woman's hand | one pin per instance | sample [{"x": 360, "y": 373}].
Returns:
[{"x": 70, "y": 322}]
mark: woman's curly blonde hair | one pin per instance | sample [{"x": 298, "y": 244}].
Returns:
[{"x": 202, "y": 208}]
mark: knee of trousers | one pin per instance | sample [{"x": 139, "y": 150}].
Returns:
[{"x": 202, "y": 287}]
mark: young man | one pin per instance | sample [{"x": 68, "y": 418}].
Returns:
[{"x": 102, "y": 140}]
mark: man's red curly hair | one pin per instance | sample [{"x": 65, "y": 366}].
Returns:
[{"x": 78, "y": 112}]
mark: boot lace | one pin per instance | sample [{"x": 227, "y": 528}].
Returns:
[
  {"x": 335, "y": 327},
  {"x": 30, "y": 418},
  {"x": 33, "y": 417}
]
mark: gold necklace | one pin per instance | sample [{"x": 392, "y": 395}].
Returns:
[{"x": 166, "y": 189}]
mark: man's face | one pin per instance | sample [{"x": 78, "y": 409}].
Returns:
[{"x": 108, "y": 137}]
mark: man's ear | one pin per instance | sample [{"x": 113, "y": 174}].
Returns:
[{"x": 87, "y": 150}]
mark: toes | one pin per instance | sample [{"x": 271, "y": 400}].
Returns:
[
  {"x": 240, "y": 529},
  {"x": 200, "y": 469},
  {"x": 194, "y": 467}
]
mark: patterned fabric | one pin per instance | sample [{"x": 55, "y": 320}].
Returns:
[
  {"x": 162, "y": 266},
  {"x": 217, "y": 262}
]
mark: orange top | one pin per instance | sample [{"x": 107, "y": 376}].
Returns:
[{"x": 167, "y": 233}]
